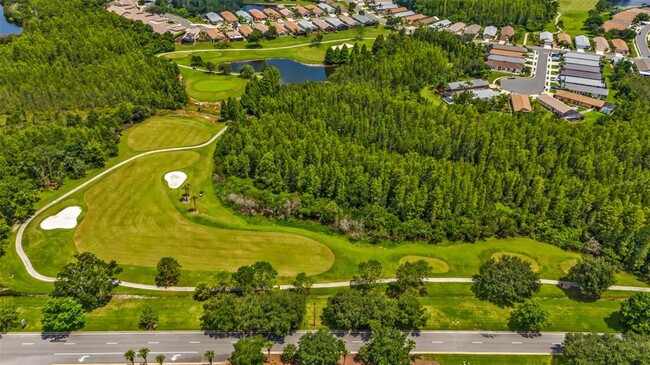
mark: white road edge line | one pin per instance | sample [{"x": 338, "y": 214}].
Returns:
[
  {"x": 477, "y": 342},
  {"x": 111, "y": 343},
  {"x": 437, "y": 342},
  {"x": 195, "y": 341}
]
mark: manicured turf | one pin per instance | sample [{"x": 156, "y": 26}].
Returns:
[
  {"x": 533, "y": 264},
  {"x": 445, "y": 359},
  {"x": 163, "y": 132},
  {"x": 203, "y": 86},
  {"x": 438, "y": 266},
  {"x": 574, "y": 14}
]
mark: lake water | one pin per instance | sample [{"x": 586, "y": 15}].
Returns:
[
  {"x": 258, "y": 7},
  {"x": 291, "y": 72},
  {"x": 629, "y": 3},
  {"x": 7, "y": 28}
]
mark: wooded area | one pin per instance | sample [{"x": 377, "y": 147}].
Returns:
[
  {"x": 366, "y": 155},
  {"x": 73, "y": 56},
  {"x": 530, "y": 14}
]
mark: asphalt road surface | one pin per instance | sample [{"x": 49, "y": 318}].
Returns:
[
  {"x": 530, "y": 86},
  {"x": 106, "y": 347},
  {"x": 642, "y": 41}
]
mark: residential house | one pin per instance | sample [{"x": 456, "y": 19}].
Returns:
[
  {"x": 546, "y": 38},
  {"x": 244, "y": 16},
  {"x": 581, "y": 81},
  {"x": 339, "y": 25},
  {"x": 215, "y": 35},
  {"x": 472, "y": 30},
  {"x": 580, "y": 100},
  {"x": 404, "y": 14},
  {"x": 386, "y": 6},
  {"x": 501, "y": 52},
  {"x": 582, "y": 42},
  {"x": 300, "y": 11},
  {"x": 426, "y": 21},
  {"x": 601, "y": 45},
  {"x": 579, "y": 67},
  {"x": 307, "y": 26},
  {"x": 261, "y": 27},
  {"x": 643, "y": 66},
  {"x": 582, "y": 56},
  {"x": 229, "y": 17},
  {"x": 348, "y": 21},
  {"x": 582, "y": 62},
  {"x": 620, "y": 46},
  {"x": 582, "y": 74},
  {"x": 505, "y": 66},
  {"x": 489, "y": 33},
  {"x": 315, "y": 10},
  {"x": 596, "y": 92},
  {"x": 441, "y": 24},
  {"x": 454, "y": 87},
  {"x": 362, "y": 19},
  {"x": 258, "y": 15},
  {"x": 234, "y": 36},
  {"x": 517, "y": 60},
  {"x": 326, "y": 8},
  {"x": 414, "y": 18},
  {"x": 191, "y": 36},
  {"x": 507, "y": 33},
  {"x": 520, "y": 103},
  {"x": 396, "y": 10},
  {"x": 323, "y": 25},
  {"x": 558, "y": 108},
  {"x": 564, "y": 39},
  {"x": 213, "y": 18},
  {"x": 245, "y": 30},
  {"x": 615, "y": 24},
  {"x": 293, "y": 28},
  {"x": 282, "y": 31},
  {"x": 456, "y": 28},
  {"x": 271, "y": 14},
  {"x": 508, "y": 47},
  {"x": 484, "y": 94},
  {"x": 286, "y": 13}
]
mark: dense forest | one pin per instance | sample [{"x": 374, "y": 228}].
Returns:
[
  {"x": 68, "y": 84},
  {"x": 367, "y": 155},
  {"x": 74, "y": 55},
  {"x": 530, "y": 14}
]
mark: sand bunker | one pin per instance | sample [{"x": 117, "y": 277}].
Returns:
[
  {"x": 175, "y": 179},
  {"x": 65, "y": 219}
]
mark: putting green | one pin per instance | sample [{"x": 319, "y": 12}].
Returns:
[
  {"x": 533, "y": 264},
  {"x": 438, "y": 266},
  {"x": 207, "y": 87},
  {"x": 163, "y": 132},
  {"x": 133, "y": 219}
]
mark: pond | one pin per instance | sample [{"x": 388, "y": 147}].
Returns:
[
  {"x": 629, "y": 3},
  {"x": 7, "y": 28},
  {"x": 291, "y": 72},
  {"x": 258, "y": 7}
]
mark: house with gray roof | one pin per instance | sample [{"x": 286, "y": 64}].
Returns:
[
  {"x": 490, "y": 32},
  {"x": 587, "y": 63},
  {"x": 307, "y": 26},
  {"x": 337, "y": 23},
  {"x": 583, "y": 56},
  {"x": 362, "y": 19},
  {"x": 441, "y": 24},
  {"x": 582, "y": 81},
  {"x": 596, "y": 92},
  {"x": 213, "y": 18},
  {"x": 484, "y": 94},
  {"x": 404, "y": 14},
  {"x": 326, "y": 8},
  {"x": 582, "y": 74},
  {"x": 466, "y": 85},
  {"x": 579, "y": 67},
  {"x": 582, "y": 42},
  {"x": 516, "y": 60},
  {"x": 546, "y": 38},
  {"x": 244, "y": 15}
]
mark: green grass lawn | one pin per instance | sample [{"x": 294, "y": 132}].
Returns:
[
  {"x": 162, "y": 132},
  {"x": 203, "y": 86},
  {"x": 455, "y": 359},
  {"x": 574, "y": 14}
]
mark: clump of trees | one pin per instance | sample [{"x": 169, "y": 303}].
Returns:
[
  {"x": 594, "y": 349},
  {"x": 62, "y": 315},
  {"x": 529, "y": 316},
  {"x": 506, "y": 281},
  {"x": 635, "y": 313},
  {"x": 593, "y": 275}
]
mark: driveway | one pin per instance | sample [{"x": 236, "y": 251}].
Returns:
[
  {"x": 530, "y": 86},
  {"x": 642, "y": 41}
]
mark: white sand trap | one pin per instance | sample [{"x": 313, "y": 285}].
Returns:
[
  {"x": 65, "y": 219},
  {"x": 175, "y": 179}
]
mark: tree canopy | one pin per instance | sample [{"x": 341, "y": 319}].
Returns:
[
  {"x": 593, "y": 275},
  {"x": 168, "y": 272},
  {"x": 88, "y": 280},
  {"x": 529, "y": 316},
  {"x": 320, "y": 348},
  {"x": 62, "y": 315},
  {"x": 505, "y": 281},
  {"x": 248, "y": 351},
  {"x": 387, "y": 346},
  {"x": 594, "y": 349},
  {"x": 635, "y": 313}
]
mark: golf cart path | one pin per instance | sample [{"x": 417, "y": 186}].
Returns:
[{"x": 38, "y": 276}]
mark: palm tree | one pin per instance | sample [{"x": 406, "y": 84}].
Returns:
[
  {"x": 268, "y": 344},
  {"x": 186, "y": 188},
  {"x": 160, "y": 358},
  {"x": 143, "y": 352},
  {"x": 209, "y": 355},
  {"x": 129, "y": 355}
]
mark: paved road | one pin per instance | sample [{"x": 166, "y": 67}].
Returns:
[
  {"x": 642, "y": 41},
  {"x": 105, "y": 347},
  {"x": 532, "y": 85}
]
